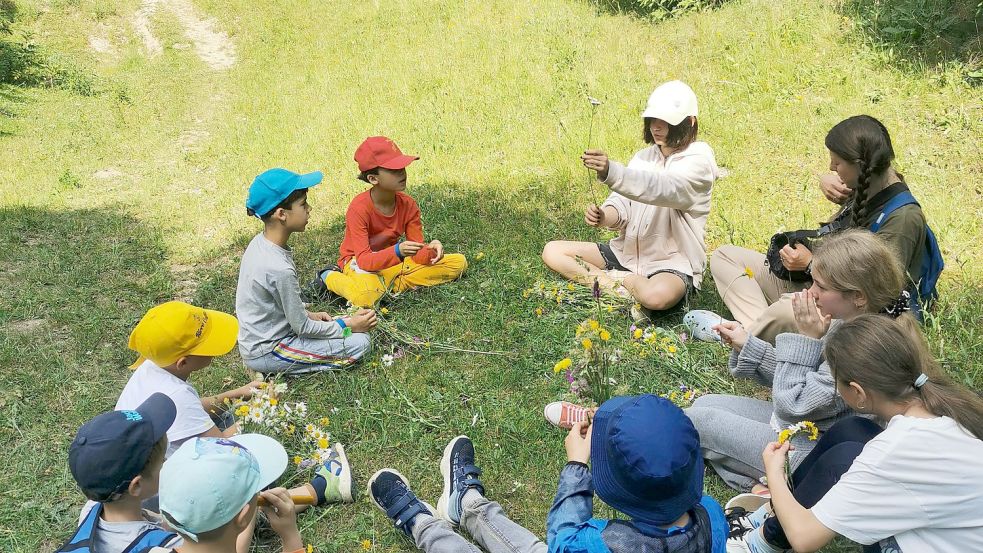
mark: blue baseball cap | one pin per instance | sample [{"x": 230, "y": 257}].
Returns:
[
  {"x": 207, "y": 481},
  {"x": 645, "y": 458},
  {"x": 274, "y": 185},
  {"x": 113, "y": 448}
]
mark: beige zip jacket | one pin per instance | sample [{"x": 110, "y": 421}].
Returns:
[{"x": 662, "y": 206}]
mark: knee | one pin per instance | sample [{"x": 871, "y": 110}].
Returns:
[
  {"x": 551, "y": 251},
  {"x": 722, "y": 257},
  {"x": 656, "y": 300},
  {"x": 456, "y": 263},
  {"x": 852, "y": 429},
  {"x": 358, "y": 345}
]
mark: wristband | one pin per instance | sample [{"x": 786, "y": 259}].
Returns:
[
  {"x": 345, "y": 331},
  {"x": 396, "y": 249}
]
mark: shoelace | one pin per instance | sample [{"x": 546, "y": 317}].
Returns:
[
  {"x": 573, "y": 414},
  {"x": 737, "y": 522}
]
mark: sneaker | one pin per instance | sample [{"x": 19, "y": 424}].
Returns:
[
  {"x": 390, "y": 492},
  {"x": 700, "y": 323},
  {"x": 563, "y": 414},
  {"x": 338, "y": 477},
  {"x": 752, "y": 541},
  {"x": 750, "y": 502},
  {"x": 316, "y": 289},
  {"x": 460, "y": 475}
]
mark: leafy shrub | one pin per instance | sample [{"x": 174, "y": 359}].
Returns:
[{"x": 658, "y": 10}]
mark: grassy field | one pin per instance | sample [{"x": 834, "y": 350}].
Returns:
[{"x": 122, "y": 185}]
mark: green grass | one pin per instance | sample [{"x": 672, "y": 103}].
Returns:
[{"x": 117, "y": 200}]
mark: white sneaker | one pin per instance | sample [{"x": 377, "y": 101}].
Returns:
[
  {"x": 752, "y": 541},
  {"x": 563, "y": 414},
  {"x": 700, "y": 323}
]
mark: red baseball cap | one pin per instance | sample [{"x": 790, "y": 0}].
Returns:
[{"x": 379, "y": 151}]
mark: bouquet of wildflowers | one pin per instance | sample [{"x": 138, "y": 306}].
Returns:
[
  {"x": 587, "y": 369},
  {"x": 684, "y": 396}
]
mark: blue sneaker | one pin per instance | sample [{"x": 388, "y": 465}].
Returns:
[
  {"x": 390, "y": 491},
  {"x": 460, "y": 475}
]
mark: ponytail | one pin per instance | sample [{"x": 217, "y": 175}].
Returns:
[
  {"x": 864, "y": 141},
  {"x": 889, "y": 356}
]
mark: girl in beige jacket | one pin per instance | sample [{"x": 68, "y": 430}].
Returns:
[{"x": 659, "y": 202}]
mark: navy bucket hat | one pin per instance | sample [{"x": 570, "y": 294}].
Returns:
[{"x": 645, "y": 458}]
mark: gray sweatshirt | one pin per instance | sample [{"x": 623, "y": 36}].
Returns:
[
  {"x": 802, "y": 387},
  {"x": 268, "y": 303}
]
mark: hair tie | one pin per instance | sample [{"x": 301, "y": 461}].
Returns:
[
  {"x": 900, "y": 305},
  {"x": 920, "y": 381}
]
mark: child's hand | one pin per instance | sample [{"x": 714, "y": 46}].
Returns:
[
  {"x": 283, "y": 518},
  {"x": 833, "y": 188},
  {"x": 409, "y": 248},
  {"x": 797, "y": 258},
  {"x": 593, "y": 216},
  {"x": 808, "y": 318},
  {"x": 362, "y": 321},
  {"x": 733, "y": 334},
  {"x": 438, "y": 250},
  {"x": 774, "y": 457},
  {"x": 577, "y": 442},
  {"x": 320, "y": 316},
  {"x": 244, "y": 392},
  {"x": 596, "y": 160}
]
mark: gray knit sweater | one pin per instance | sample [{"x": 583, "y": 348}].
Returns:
[{"x": 802, "y": 387}]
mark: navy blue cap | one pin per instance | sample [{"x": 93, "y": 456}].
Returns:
[
  {"x": 113, "y": 448},
  {"x": 274, "y": 185},
  {"x": 645, "y": 458}
]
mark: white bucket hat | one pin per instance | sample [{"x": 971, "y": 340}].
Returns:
[{"x": 672, "y": 102}]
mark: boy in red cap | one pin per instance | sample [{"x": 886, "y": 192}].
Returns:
[{"x": 372, "y": 257}]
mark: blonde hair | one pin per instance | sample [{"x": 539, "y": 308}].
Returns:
[
  {"x": 857, "y": 261},
  {"x": 888, "y": 356}
]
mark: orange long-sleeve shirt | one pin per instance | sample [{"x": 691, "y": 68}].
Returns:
[{"x": 370, "y": 236}]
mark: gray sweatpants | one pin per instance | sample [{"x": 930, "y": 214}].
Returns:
[
  {"x": 488, "y": 526},
  {"x": 734, "y": 430},
  {"x": 297, "y": 355}
]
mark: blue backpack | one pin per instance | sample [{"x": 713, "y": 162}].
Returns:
[
  {"x": 81, "y": 541},
  {"x": 932, "y": 263}
]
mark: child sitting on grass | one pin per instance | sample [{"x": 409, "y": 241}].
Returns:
[
  {"x": 659, "y": 203},
  {"x": 176, "y": 339},
  {"x": 210, "y": 489},
  {"x": 373, "y": 259},
  {"x": 646, "y": 463},
  {"x": 115, "y": 459},
  {"x": 277, "y": 333}
]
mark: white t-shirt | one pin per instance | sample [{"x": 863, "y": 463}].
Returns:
[
  {"x": 114, "y": 537},
  {"x": 921, "y": 481},
  {"x": 191, "y": 420}
]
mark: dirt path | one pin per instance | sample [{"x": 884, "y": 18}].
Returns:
[{"x": 212, "y": 45}]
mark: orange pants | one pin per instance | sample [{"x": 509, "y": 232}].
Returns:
[{"x": 365, "y": 289}]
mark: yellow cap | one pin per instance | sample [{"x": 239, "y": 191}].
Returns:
[{"x": 175, "y": 329}]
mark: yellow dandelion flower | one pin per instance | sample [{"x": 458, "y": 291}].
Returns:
[
  {"x": 310, "y": 548},
  {"x": 298, "y": 459},
  {"x": 322, "y": 443},
  {"x": 384, "y": 311},
  {"x": 637, "y": 334},
  {"x": 274, "y": 401},
  {"x": 587, "y": 343},
  {"x": 324, "y": 421},
  {"x": 594, "y": 325},
  {"x": 539, "y": 311},
  {"x": 605, "y": 335},
  {"x": 570, "y": 286},
  {"x": 671, "y": 349},
  {"x": 367, "y": 544},
  {"x": 291, "y": 429},
  {"x": 526, "y": 293},
  {"x": 749, "y": 272},
  {"x": 479, "y": 257},
  {"x": 562, "y": 365},
  {"x": 783, "y": 436},
  {"x": 242, "y": 410}
]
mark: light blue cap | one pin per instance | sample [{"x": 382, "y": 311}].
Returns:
[
  {"x": 274, "y": 185},
  {"x": 207, "y": 481}
]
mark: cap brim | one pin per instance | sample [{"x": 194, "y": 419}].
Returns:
[
  {"x": 309, "y": 180},
  {"x": 398, "y": 162},
  {"x": 270, "y": 455},
  {"x": 160, "y": 410},
  {"x": 219, "y": 335},
  {"x": 673, "y": 118}
]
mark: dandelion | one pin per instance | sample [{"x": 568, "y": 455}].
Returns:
[
  {"x": 291, "y": 429},
  {"x": 671, "y": 349},
  {"x": 749, "y": 272},
  {"x": 637, "y": 333},
  {"x": 587, "y": 343},
  {"x": 367, "y": 544},
  {"x": 322, "y": 443},
  {"x": 384, "y": 311},
  {"x": 478, "y": 257},
  {"x": 298, "y": 460},
  {"x": 562, "y": 365},
  {"x": 571, "y": 287},
  {"x": 324, "y": 421},
  {"x": 604, "y": 335},
  {"x": 274, "y": 402},
  {"x": 539, "y": 311},
  {"x": 594, "y": 325},
  {"x": 310, "y": 548},
  {"x": 805, "y": 427}
]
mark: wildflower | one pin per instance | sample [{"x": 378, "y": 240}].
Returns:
[
  {"x": 587, "y": 343},
  {"x": 783, "y": 436},
  {"x": 570, "y": 286},
  {"x": 367, "y": 544},
  {"x": 539, "y": 311},
  {"x": 274, "y": 401},
  {"x": 683, "y": 336},
  {"x": 526, "y": 293},
  {"x": 310, "y": 548},
  {"x": 605, "y": 335},
  {"x": 671, "y": 349},
  {"x": 570, "y": 377},
  {"x": 291, "y": 429},
  {"x": 593, "y": 101},
  {"x": 478, "y": 257},
  {"x": 562, "y": 365},
  {"x": 322, "y": 443},
  {"x": 242, "y": 411},
  {"x": 387, "y": 360},
  {"x": 298, "y": 459},
  {"x": 594, "y": 325},
  {"x": 637, "y": 333},
  {"x": 324, "y": 421},
  {"x": 596, "y": 290},
  {"x": 384, "y": 311}
]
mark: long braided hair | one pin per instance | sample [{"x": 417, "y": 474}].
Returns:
[{"x": 864, "y": 141}]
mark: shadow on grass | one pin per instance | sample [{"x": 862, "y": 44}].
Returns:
[
  {"x": 74, "y": 284},
  {"x": 654, "y": 10},
  {"x": 921, "y": 34}
]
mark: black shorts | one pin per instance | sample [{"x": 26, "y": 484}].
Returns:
[{"x": 611, "y": 262}]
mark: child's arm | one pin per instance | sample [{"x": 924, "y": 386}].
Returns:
[
  {"x": 803, "y": 388},
  {"x": 357, "y": 235},
  {"x": 683, "y": 185},
  {"x": 214, "y": 405},
  {"x": 805, "y": 532},
  {"x": 574, "y": 502},
  {"x": 433, "y": 251},
  {"x": 283, "y": 518},
  {"x": 288, "y": 290}
]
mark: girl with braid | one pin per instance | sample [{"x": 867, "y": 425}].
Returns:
[{"x": 860, "y": 154}]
